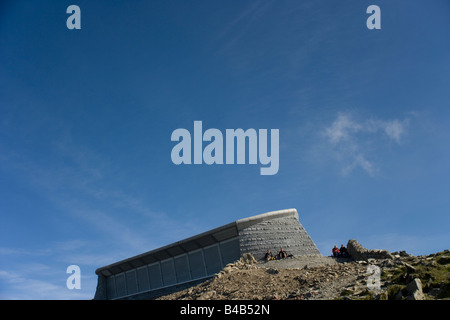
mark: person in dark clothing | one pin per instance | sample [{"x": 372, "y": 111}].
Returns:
[
  {"x": 282, "y": 254},
  {"x": 269, "y": 256},
  {"x": 343, "y": 251}
]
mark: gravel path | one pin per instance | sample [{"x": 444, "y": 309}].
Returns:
[{"x": 302, "y": 262}]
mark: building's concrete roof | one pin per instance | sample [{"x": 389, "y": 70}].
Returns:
[{"x": 201, "y": 240}]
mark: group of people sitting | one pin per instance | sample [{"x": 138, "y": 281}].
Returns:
[
  {"x": 340, "y": 253},
  {"x": 337, "y": 252},
  {"x": 281, "y": 255}
]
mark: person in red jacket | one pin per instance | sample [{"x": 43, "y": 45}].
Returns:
[{"x": 336, "y": 252}]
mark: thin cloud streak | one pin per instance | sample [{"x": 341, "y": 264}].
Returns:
[{"x": 27, "y": 288}]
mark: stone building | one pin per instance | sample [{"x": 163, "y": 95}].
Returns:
[{"x": 193, "y": 260}]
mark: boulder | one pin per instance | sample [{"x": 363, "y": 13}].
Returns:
[
  {"x": 248, "y": 258},
  {"x": 359, "y": 253},
  {"x": 273, "y": 271},
  {"x": 409, "y": 267},
  {"x": 413, "y": 290}
]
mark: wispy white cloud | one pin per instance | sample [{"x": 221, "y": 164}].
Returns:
[
  {"x": 345, "y": 127},
  {"x": 17, "y": 286},
  {"x": 21, "y": 251},
  {"x": 41, "y": 274},
  {"x": 342, "y": 129},
  {"x": 393, "y": 129},
  {"x": 360, "y": 161},
  {"x": 84, "y": 189},
  {"x": 85, "y": 186},
  {"x": 232, "y": 32},
  {"x": 349, "y": 137}
]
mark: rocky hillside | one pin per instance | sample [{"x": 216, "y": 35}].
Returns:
[{"x": 373, "y": 274}]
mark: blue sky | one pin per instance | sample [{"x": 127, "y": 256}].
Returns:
[{"x": 86, "y": 118}]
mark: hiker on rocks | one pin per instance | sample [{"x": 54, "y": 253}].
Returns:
[
  {"x": 282, "y": 254},
  {"x": 336, "y": 252},
  {"x": 343, "y": 251},
  {"x": 269, "y": 256}
]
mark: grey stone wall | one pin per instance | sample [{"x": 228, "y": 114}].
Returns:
[
  {"x": 275, "y": 233},
  {"x": 358, "y": 252}
]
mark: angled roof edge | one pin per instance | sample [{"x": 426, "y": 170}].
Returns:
[
  {"x": 198, "y": 241},
  {"x": 246, "y": 222}
]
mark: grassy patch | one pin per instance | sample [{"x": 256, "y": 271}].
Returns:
[
  {"x": 433, "y": 273},
  {"x": 393, "y": 290},
  {"x": 395, "y": 275},
  {"x": 346, "y": 292},
  {"x": 443, "y": 260}
]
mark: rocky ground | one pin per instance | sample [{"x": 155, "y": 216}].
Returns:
[{"x": 396, "y": 276}]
